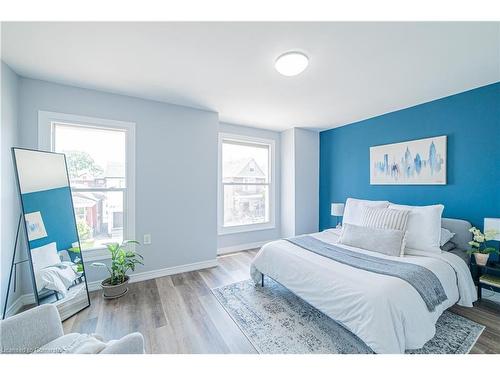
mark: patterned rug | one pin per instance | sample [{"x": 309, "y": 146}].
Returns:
[{"x": 277, "y": 321}]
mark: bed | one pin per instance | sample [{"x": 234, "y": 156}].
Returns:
[
  {"x": 57, "y": 278},
  {"x": 386, "y": 312},
  {"x": 53, "y": 276}
]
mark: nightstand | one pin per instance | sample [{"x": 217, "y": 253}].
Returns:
[{"x": 491, "y": 268}]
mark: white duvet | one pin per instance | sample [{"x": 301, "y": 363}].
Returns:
[
  {"x": 387, "y": 313},
  {"x": 58, "y": 277}
]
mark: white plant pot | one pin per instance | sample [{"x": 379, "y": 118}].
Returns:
[
  {"x": 114, "y": 291},
  {"x": 481, "y": 259}
]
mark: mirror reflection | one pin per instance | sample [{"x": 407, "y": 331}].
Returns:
[{"x": 54, "y": 248}]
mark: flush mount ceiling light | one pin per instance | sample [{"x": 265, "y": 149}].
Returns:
[{"x": 291, "y": 63}]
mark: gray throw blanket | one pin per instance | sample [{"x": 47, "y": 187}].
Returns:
[{"x": 423, "y": 280}]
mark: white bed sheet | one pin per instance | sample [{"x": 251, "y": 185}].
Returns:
[
  {"x": 387, "y": 313},
  {"x": 58, "y": 277}
]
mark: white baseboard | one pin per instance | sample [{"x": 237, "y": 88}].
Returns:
[
  {"x": 22, "y": 300},
  {"x": 242, "y": 247},
  {"x": 148, "y": 275}
]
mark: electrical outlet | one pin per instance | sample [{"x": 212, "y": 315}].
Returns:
[{"x": 147, "y": 239}]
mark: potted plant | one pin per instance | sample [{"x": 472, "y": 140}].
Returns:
[
  {"x": 478, "y": 245},
  {"x": 122, "y": 260}
]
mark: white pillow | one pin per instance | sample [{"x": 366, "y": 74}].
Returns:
[
  {"x": 446, "y": 235},
  {"x": 353, "y": 209},
  {"x": 424, "y": 227},
  {"x": 45, "y": 256}
]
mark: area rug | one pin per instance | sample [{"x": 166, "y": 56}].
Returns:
[{"x": 276, "y": 322}]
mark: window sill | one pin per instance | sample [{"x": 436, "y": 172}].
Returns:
[
  {"x": 245, "y": 228},
  {"x": 98, "y": 253}
]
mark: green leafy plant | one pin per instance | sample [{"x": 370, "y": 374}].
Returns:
[
  {"x": 80, "y": 162},
  {"x": 77, "y": 260},
  {"x": 478, "y": 244},
  {"x": 83, "y": 230},
  {"x": 75, "y": 249},
  {"x": 122, "y": 261}
]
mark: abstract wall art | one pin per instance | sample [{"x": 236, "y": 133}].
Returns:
[
  {"x": 419, "y": 162},
  {"x": 35, "y": 226}
]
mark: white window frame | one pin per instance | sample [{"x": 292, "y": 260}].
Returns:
[
  {"x": 271, "y": 224},
  {"x": 46, "y": 120}
]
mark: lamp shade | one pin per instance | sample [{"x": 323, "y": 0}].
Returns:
[
  {"x": 491, "y": 223},
  {"x": 337, "y": 209}
]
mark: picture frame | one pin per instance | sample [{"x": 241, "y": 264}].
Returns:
[
  {"x": 416, "y": 162},
  {"x": 34, "y": 226}
]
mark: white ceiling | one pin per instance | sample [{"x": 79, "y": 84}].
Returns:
[{"x": 356, "y": 70}]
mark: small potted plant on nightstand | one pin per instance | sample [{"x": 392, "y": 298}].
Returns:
[
  {"x": 122, "y": 260},
  {"x": 478, "y": 245}
]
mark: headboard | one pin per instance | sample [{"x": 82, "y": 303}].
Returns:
[{"x": 461, "y": 229}]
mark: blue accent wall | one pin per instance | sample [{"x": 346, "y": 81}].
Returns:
[
  {"x": 471, "y": 120},
  {"x": 55, "y": 207}
]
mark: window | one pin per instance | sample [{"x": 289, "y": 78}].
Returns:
[
  {"x": 99, "y": 157},
  {"x": 246, "y": 189}
]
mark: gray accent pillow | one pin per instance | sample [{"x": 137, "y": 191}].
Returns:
[
  {"x": 384, "y": 218},
  {"x": 448, "y": 246},
  {"x": 384, "y": 241},
  {"x": 446, "y": 235}
]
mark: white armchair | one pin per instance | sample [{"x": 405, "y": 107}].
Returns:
[{"x": 40, "y": 330}]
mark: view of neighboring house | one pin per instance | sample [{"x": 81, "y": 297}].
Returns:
[
  {"x": 98, "y": 203},
  {"x": 244, "y": 203}
]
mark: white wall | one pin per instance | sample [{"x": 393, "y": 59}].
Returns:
[
  {"x": 306, "y": 181},
  {"x": 9, "y": 207},
  {"x": 300, "y": 180},
  {"x": 237, "y": 241},
  {"x": 288, "y": 183},
  {"x": 176, "y": 167}
]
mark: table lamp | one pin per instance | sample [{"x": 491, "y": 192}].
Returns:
[{"x": 337, "y": 210}]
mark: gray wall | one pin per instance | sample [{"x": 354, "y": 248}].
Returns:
[
  {"x": 176, "y": 167},
  {"x": 9, "y": 207},
  {"x": 236, "y": 239},
  {"x": 288, "y": 183},
  {"x": 306, "y": 181},
  {"x": 300, "y": 179}
]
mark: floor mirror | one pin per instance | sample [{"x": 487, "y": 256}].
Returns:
[{"x": 54, "y": 254}]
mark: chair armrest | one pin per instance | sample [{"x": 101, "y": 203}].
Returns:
[
  {"x": 29, "y": 330},
  {"x": 133, "y": 343}
]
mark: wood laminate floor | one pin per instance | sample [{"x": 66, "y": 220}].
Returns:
[{"x": 179, "y": 314}]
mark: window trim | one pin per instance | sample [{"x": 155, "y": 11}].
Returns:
[
  {"x": 271, "y": 224},
  {"x": 46, "y": 141}
]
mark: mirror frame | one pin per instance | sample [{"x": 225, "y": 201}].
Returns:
[{"x": 35, "y": 289}]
